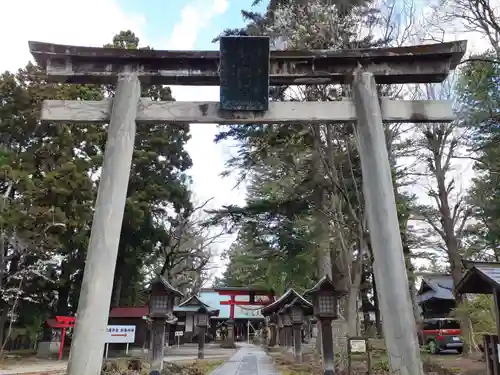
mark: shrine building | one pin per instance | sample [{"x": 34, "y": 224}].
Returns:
[{"x": 240, "y": 304}]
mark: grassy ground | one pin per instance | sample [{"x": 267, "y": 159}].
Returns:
[
  {"x": 206, "y": 366},
  {"x": 137, "y": 367},
  {"x": 444, "y": 364},
  {"x": 115, "y": 366},
  {"x": 17, "y": 356}
]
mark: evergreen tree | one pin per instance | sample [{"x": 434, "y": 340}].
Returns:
[{"x": 50, "y": 174}]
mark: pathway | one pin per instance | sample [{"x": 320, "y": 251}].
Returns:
[{"x": 249, "y": 360}]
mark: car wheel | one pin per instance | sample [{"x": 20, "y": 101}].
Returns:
[
  {"x": 460, "y": 350},
  {"x": 433, "y": 348}
]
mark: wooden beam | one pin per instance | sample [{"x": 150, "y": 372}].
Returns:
[
  {"x": 412, "y": 64},
  {"x": 151, "y": 112}
]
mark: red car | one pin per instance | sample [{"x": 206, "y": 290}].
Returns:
[{"x": 441, "y": 334}]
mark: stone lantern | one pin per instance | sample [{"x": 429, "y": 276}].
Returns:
[
  {"x": 287, "y": 326},
  {"x": 281, "y": 329},
  {"x": 325, "y": 307},
  {"x": 161, "y": 305},
  {"x": 297, "y": 310},
  {"x": 202, "y": 317},
  {"x": 296, "y": 314},
  {"x": 273, "y": 329}
]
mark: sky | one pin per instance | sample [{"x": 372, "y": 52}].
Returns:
[{"x": 161, "y": 24}]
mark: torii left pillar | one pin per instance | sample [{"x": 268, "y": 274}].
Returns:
[{"x": 87, "y": 347}]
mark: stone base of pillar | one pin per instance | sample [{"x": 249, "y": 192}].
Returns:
[{"x": 228, "y": 344}]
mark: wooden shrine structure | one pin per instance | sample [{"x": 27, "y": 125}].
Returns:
[
  {"x": 484, "y": 278},
  {"x": 244, "y": 68}
]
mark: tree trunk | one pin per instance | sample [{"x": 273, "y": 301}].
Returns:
[
  {"x": 321, "y": 224},
  {"x": 365, "y": 300},
  {"x": 63, "y": 291},
  {"x": 378, "y": 322},
  {"x": 411, "y": 280},
  {"x": 3, "y": 266},
  {"x": 3, "y": 321},
  {"x": 451, "y": 241},
  {"x": 352, "y": 302},
  {"x": 117, "y": 293}
]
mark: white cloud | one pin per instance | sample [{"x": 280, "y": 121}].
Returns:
[
  {"x": 89, "y": 23},
  {"x": 208, "y": 158},
  {"x": 194, "y": 17}
]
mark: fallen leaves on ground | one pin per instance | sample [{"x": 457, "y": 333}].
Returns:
[
  {"x": 311, "y": 365},
  {"x": 123, "y": 366}
]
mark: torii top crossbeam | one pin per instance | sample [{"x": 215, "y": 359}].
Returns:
[{"x": 415, "y": 64}]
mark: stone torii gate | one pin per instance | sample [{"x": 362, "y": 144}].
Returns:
[{"x": 244, "y": 100}]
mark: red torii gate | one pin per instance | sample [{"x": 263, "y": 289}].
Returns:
[
  {"x": 266, "y": 297},
  {"x": 64, "y": 322}
]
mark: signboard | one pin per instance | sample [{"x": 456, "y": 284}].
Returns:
[
  {"x": 244, "y": 73},
  {"x": 179, "y": 333},
  {"x": 120, "y": 334},
  {"x": 358, "y": 346}
]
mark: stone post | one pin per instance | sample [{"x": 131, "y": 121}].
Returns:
[
  {"x": 201, "y": 342},
  {"x": 273, "y": 334},
  {"x": 289, "y": 337},
  {"x": 297, "y": 341}
]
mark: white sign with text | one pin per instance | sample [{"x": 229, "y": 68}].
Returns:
[
  {"x": 358, "y": 346},
  {"x": 120, "y": 334}
]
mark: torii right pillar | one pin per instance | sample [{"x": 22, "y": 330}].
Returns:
[{"x": 400, "y": 333}]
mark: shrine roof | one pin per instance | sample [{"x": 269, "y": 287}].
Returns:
[
  {"x": 129, "y": 312},
  {"x": 480, "y": 278},
  {"x": 167, "y": 286},
  {"x": 436, "y": 288},
  {"x": 285, "y": 299},
  {"x": 299, "y": 301},
  {"x": 325, "y": 283},
  {"x": 193, "y": 304},
  {"x": 51, "y": 323},
  {"x": 411, "y": 64},
  {"x": 193, "y": 301}
]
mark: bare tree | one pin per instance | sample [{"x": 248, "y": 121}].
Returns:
[
  {"x": 447, "y": 212},
  {"x": 186, "y": 258},
  {"x": 481, "y": 17}
]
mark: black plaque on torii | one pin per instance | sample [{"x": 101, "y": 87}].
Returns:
[{"x": 244, "y": 73}]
